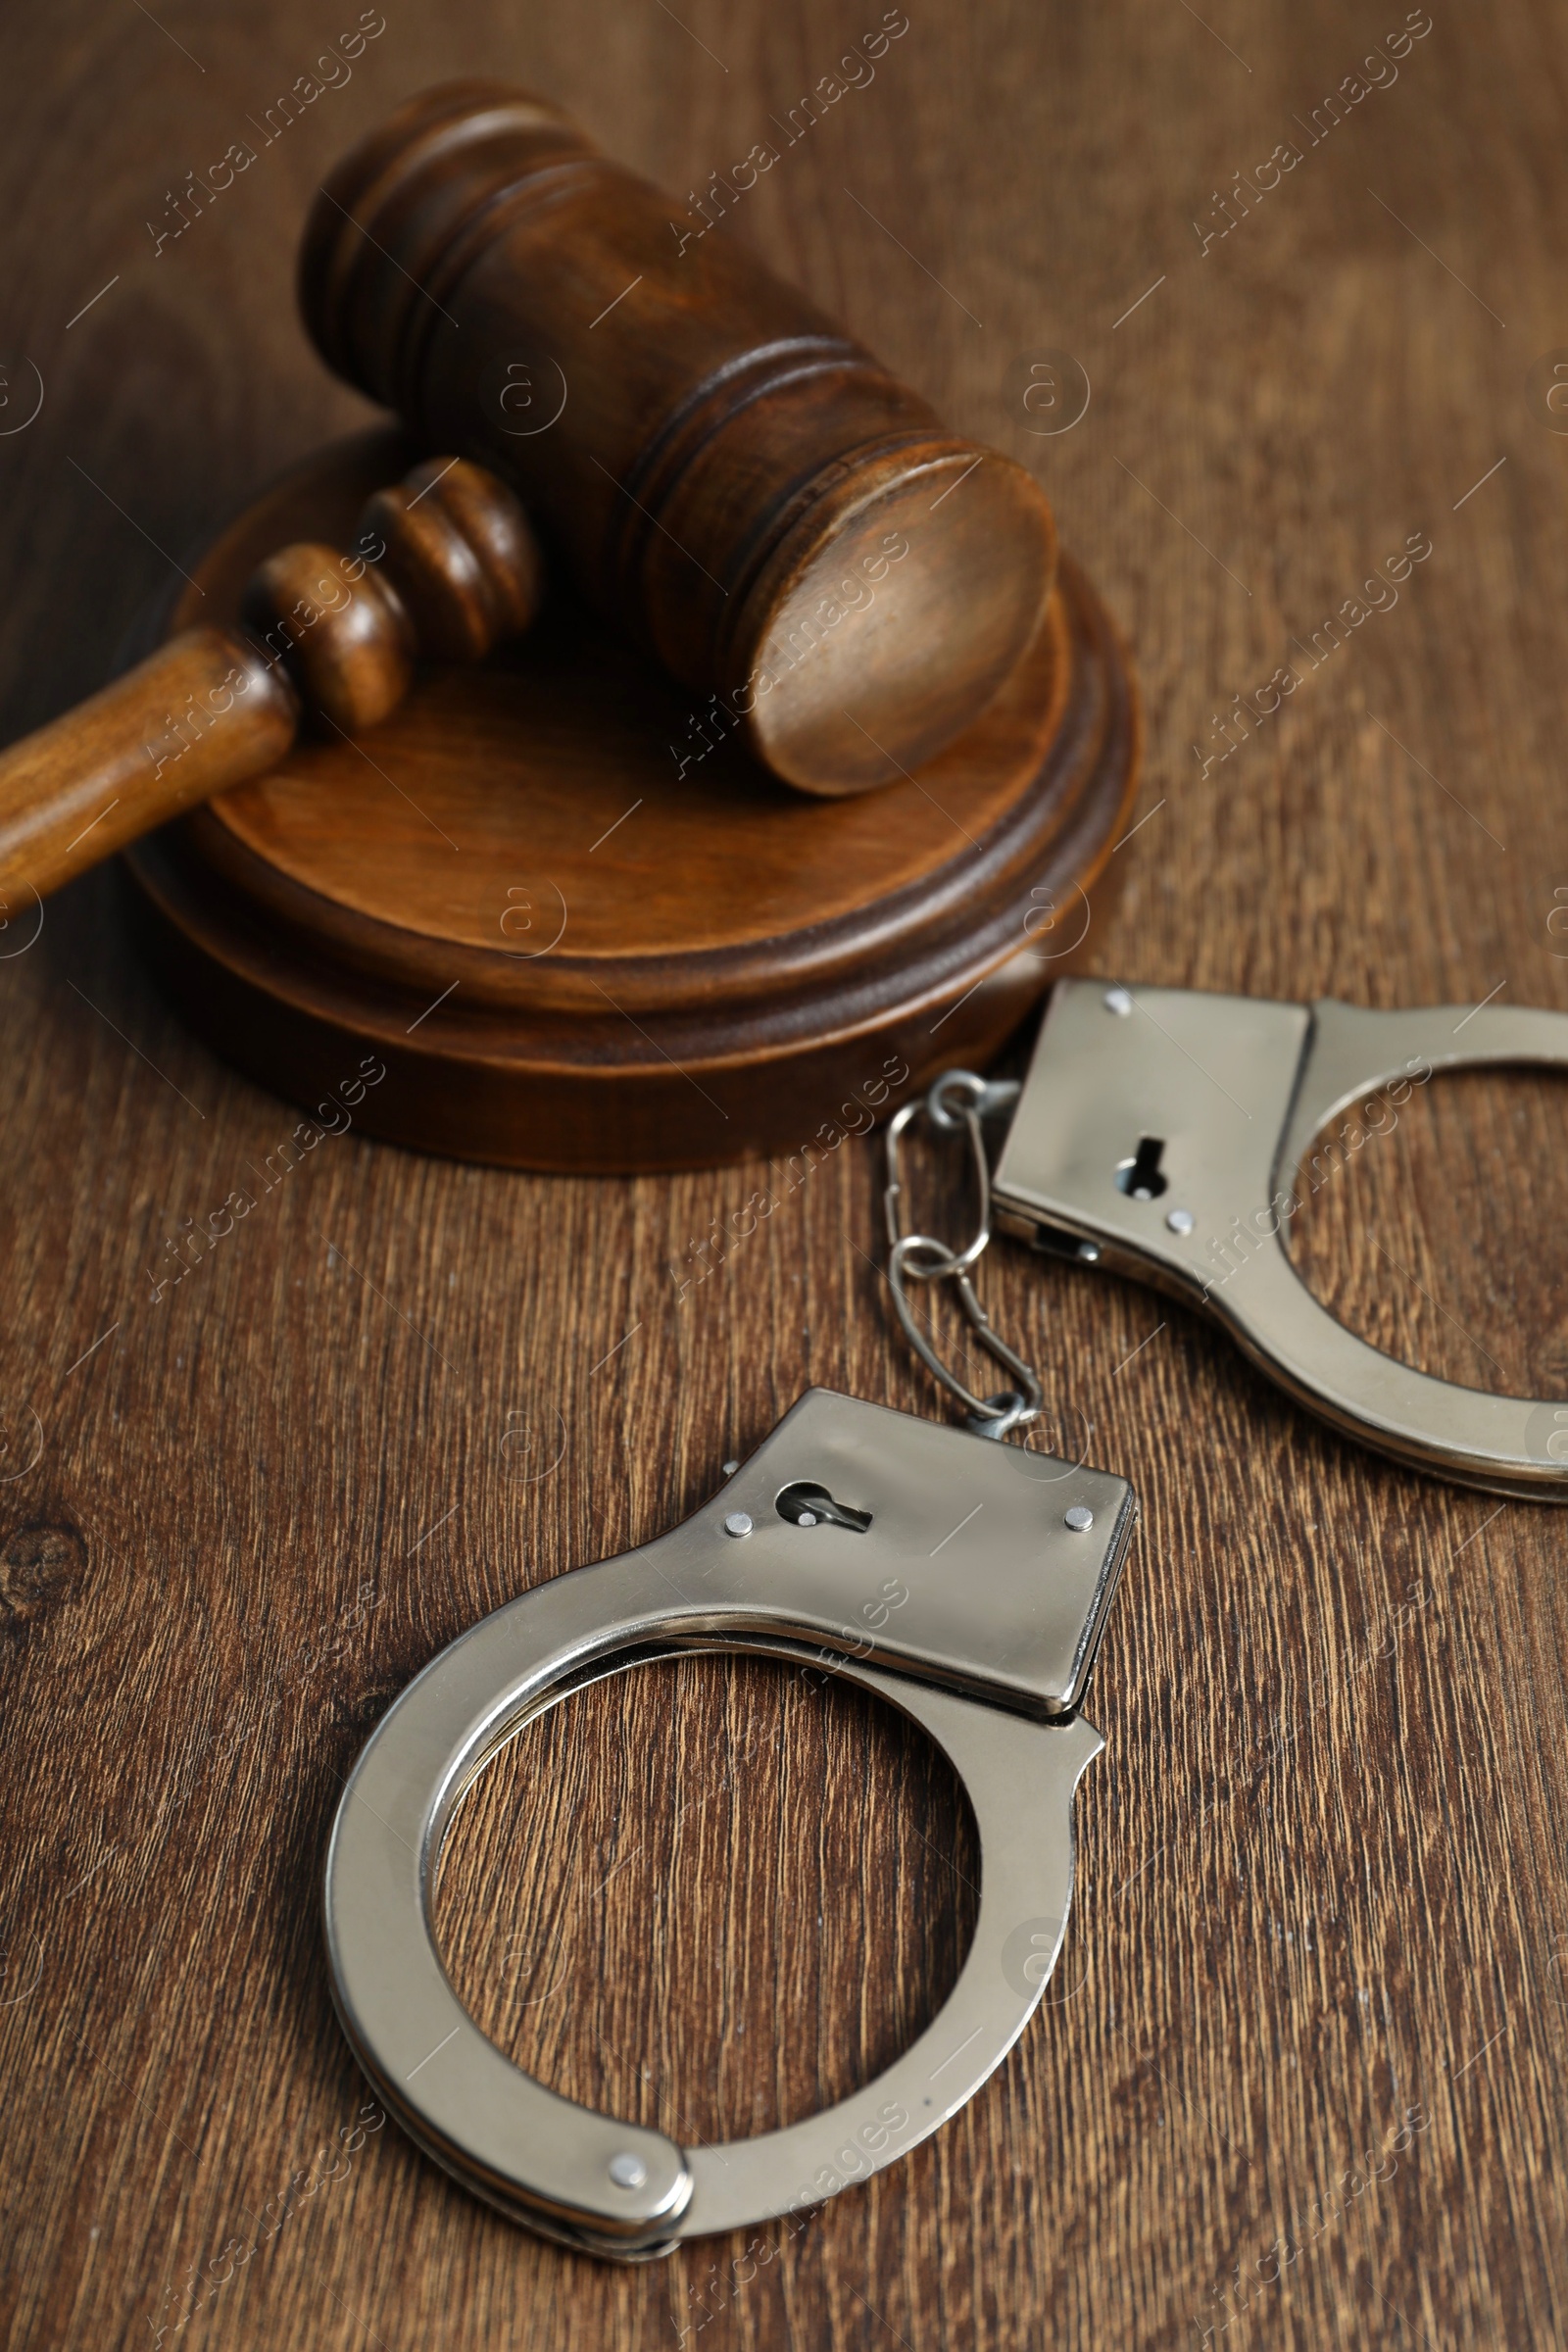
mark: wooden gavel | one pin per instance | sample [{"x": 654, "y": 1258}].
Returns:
[{"x": 723, "y": 471}]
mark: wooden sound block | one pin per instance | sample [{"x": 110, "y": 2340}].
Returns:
[{"x": 577, "y": 941}]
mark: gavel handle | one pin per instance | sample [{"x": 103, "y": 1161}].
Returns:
[
  {"x": 202, "y": 713},
  {"x": 445, "y": 564}
]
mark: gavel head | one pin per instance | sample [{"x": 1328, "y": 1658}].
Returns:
[{"x": 790, "y": 528}]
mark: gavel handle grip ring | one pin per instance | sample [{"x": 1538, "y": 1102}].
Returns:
[{"x": 1238, "y": 1090}]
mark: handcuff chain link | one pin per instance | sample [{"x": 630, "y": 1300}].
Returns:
[{"x": 956, "y": 1100}]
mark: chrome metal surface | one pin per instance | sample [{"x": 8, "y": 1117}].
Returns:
[
  {"x": 964, "y": 1600},
  {"x": 1219, "y": 1101}
]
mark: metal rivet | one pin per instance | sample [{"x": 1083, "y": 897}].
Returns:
[
  {"x": 1080, "y": 1518},
  {"x": 628, "y": 2170},
  {"x": 1089, "y": 1253},
  {"x": 739, "y": 1523},
  {"x": 730, "y": 1469},
  {"x": 1118, "y": 1000},
  {"x": 1180, "y": 1220}
]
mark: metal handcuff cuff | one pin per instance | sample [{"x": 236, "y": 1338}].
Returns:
[
  {"x": 1163, "y": 1133},
  {"x": 991, "y": 1569}
]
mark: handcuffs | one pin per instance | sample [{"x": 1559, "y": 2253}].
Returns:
[
  {"x": 1161, "y": 1132},
  {"x": 1169, "y": 1135}
]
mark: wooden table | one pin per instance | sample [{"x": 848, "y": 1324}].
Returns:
[{"x": 1316, "y": 1980}]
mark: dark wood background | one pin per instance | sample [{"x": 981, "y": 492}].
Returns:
[{"x": 1324, "y": 1862}]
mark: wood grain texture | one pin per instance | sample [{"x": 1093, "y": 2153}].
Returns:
[{"x": 1321, "y": 1864}]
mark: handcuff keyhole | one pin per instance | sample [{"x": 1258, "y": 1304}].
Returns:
[
  {"x": 806, "y": 1504},
  {"x": 1141, "y": 1175}
]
